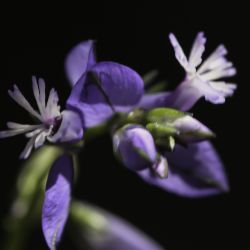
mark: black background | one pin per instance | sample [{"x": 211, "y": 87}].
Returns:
[{"x": 35, "y": 42}]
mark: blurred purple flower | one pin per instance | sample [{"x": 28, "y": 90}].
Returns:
[
  {"x": 204, "y": 81},
  {"x": 100, "y": 89},
  {"x": 136, "y": 149},
  {"x": 114, "y": 234}
]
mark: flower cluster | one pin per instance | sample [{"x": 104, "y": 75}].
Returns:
[{"x": 152, "y": 134}]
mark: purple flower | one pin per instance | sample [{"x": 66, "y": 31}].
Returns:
[
  {"x": 57, "y": 200},
  {"x": 202, "y": 79},
  {"x": 195, "y": 171},
  {"x": 100, "y": 89},
  {"x": 136, "y": 149},
  {"x": 115, "y": 233},
  {"x": 53, "y": 125}
]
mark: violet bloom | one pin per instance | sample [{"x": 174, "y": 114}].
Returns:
[
  {"x": 202, "y": 79},
  {"x": 52, "y": 124},
  {"x": 135, "y": 148},
  {"x": 99, "y": 91},
  {"x": 195, "y": 170},
  {"x": 100, "y": 88},
  {"x": 113, "y": 233}
]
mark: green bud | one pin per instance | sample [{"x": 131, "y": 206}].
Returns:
[
  {"x": 161, "y": 130},
  {"x": 163, "y": 135},
  {"x": 164, "y": 115}
]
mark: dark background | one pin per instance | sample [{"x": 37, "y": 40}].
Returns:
[{"x": 35, "y": 42}]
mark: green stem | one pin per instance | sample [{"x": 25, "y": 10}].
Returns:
[
  {"x": 83, "y": 215},
  {"x": 27, "y": 206}
]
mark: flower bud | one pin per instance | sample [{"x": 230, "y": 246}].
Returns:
[
  {"x": 167, "y": 124},
  {"x": 135, "y": 147}
]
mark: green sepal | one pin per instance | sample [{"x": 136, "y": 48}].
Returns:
[
  {"x": 150, "y": 77},
  {"x": 164, "y": 115},
  {"x": 163, "y": 135},
  {"x": 26, "y": 208},
  {"x": 166, "y": 142},
  {"x": 161, "y": 130},
  {"x": 196, "y": 134}
]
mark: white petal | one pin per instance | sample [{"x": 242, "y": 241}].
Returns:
[
  {"x": 179, "y": 54},
  {"x": 219, "y": 52},
  {"x": 197, "y": 50},
  {"x": 15, "y": 125},
  {"x": 27, "y": 150},
  {"x": 52, "y": 108},
  {"x": 33, "y": 133},
  {"x": 39, "y": 93},
  {"x": 17, "y": 131},
  {"x": 210, "y": 94},
  {"x": 18, "y": 97},
  {"x": 40, "y": 139},
  {"x": 218, "y": 73},
  {"x": 226, "y": 88},
  {"x": 41, "y": 84}
]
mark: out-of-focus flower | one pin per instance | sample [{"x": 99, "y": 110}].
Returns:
[
  {"x": 100, "y": 88},
  {"x": 135, "y": 147},
  {"x": 53, "y": 125},
  {"x": 105, "y": 231},
  {"x": 202, "y": 79}
]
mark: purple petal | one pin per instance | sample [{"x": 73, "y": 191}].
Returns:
[
  {"x": 79, "y": 59},
  {"x": 135, "y": 146},
  {"x": 194, "y": 172},
  {"x": 107, "y": 88},
  {"x": 57, "y": 200},
  {"x": 191, "y": 130},
  {"x": 71, "y": 128},
  {"x": 156, "y": 100},
  {"x": 161, "y": 167},
  {"x": 184, "y": 96}
]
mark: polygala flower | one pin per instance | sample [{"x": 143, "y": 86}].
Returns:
[
  {"x": 203, "y": 79},
  {"x": 52, "y": 124},
  {"x": 152, "y": 135},
  {"x": 99, "y": 90}
]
